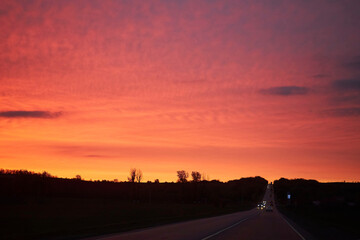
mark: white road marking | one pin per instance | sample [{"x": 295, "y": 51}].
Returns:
[
  {"x": 292, "y": 228},
  {"x": 214, "y": 234}
]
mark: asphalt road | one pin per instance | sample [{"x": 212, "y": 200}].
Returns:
[{"x": 252, "y": 224}]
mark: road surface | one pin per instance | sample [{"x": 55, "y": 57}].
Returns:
[{"x": 252, "y": 224}]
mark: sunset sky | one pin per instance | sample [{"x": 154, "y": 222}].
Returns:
[{"x": 229, "y": 88}]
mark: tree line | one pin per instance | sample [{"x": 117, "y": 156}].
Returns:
[
  {"x": 136, "y": 176},
  {"x": 303, "y": 192},
  {"x": 21, "y": 186}
]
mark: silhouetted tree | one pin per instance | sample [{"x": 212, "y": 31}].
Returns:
[
  {"x": 182, "y": 175},
  {"x": 46, "y": 174},
  {"x": 78, "y": 177},
  {"x": 156, "y": 181},
  {"x": 132, "y": 175},
  {"x": 196, "y": 176},
  {"x": 205, "y": 177},
  {"x": 138, "y": 175}
]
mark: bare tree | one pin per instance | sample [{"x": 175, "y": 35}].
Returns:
[
  {"x": 205, "y": 177},
  {"x": 132, "y": 175},
  {"x": 138, "y": 175},
  {"x": 182, "y": 175},
  {"x": 196, "y": 176}
]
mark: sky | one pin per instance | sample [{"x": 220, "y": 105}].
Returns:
[{"x": 228, "y": 88}]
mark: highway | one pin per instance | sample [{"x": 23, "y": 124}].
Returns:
[{"x": 252, "y": 224}]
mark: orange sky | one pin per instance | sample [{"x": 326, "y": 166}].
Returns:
[{"x": 229, "y": 88}]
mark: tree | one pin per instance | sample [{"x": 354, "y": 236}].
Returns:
[
  {"x": 205, "y": 177},
  {"x": 138, "y": 175},
  {"x": 46, "y": 174},
  {"x": 78, "y": 177},
  {"x": 132, "y": 175},
  {"x": 196, "y": 176},
  {"x": 182, "y": 175}
]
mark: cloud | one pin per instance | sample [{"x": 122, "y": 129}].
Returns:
[
  {"x": 345, "y": 91},
  {"x": 29, "y": 114},
  {"x": 285, "y": 91},
  {"x": 346, "y": 99},
  {"x": 353, "y": 64},
  {"x": 320, "y": 76},
  {"x": 343, "y": 112},
  {"x": 346, "y": 85}
]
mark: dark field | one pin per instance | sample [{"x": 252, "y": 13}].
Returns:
[
  {"x": 71, "y": 218},
  {"x": 326, "y": 210}
]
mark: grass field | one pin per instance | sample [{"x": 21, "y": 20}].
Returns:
[
  {"x": 76, "y": 218},
  {"x": 328, "y": 223}
]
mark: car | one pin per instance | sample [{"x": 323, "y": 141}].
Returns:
[
  {"x": 260, "y": 206},
  {"x": 269, "y": 209}
]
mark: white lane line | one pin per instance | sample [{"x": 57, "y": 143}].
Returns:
[
  {"x": 214, "y": 234},
  {"x": 292, "y": 227}
]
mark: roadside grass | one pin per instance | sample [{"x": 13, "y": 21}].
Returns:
[
  {"x": 76, "y": 218},
  {"x": 326, "y": 222}
]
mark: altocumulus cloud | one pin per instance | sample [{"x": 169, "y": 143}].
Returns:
[
  {"x": 29, "y": 114},
  {"x": 343, "y": 112},
  {"x": 320, "y": 76},
  {"x": 285, "y": 91},
  {"x": 346, "y": 91},
  {"x": 346, "y": 85},
  {"x": 353, "y": 64}
]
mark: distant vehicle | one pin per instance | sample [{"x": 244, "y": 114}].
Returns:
[
  {"x": 260, "y": 206},
  {"x": 269, "y": 209}
]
